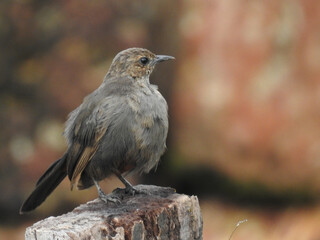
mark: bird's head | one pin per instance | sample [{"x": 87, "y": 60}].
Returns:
[{"x": 135, "y": 62}]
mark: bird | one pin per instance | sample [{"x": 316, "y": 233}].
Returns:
[{"x": 119, "y": 128}]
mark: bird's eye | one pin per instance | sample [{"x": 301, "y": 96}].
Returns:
[{"x": 144, "y": 60}]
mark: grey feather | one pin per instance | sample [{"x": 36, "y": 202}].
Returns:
[
  {"x": 136, "y": 123},
  {"x": 119, "y": 128}
]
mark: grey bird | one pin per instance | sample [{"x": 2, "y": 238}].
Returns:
[{"x": 119, "y": 128}]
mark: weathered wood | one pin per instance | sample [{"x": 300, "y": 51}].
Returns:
[{"x": 159, "y": 214}]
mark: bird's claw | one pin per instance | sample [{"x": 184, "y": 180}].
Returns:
[
  {"x": 128, "y": 191},
  {"x": 110, "y": 198},
  {"x": 132, "y": 191}
]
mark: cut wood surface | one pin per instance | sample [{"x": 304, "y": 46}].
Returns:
[{"x": 157, "y": 213}]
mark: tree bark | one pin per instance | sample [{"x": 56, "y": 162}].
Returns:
[{"x": 157, "y": 213}]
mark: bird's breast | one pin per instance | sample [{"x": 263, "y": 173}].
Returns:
[
  {"x": 150, "y": 117},
  {"x": 147, "y": 103}
]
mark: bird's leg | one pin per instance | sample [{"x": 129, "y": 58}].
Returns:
[
  {"x": 129, "y": 188},
  {"x": 104, "y": 197}
]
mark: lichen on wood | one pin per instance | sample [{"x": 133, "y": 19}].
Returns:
[{"x": 156, "y": 213}]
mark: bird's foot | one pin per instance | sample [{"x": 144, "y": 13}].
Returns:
[
  {"x": 132, "y": 191},
  {"x": 129, "y": 190},
  {"x": 109, "y": 198}
]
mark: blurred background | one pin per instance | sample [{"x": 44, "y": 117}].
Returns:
[{"x": 243, "y": 93}]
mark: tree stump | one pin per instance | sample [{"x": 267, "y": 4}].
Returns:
[{"x": 157, "y": 213}]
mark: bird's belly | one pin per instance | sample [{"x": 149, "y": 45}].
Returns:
[
  {"x": 136, "y": 138},
  {"x": 136, "y": 147}
]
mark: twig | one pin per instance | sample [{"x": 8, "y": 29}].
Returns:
[{"x": 238, "y": 224}]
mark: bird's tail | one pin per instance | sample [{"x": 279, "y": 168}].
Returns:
[{"x": 45, "y": 185}]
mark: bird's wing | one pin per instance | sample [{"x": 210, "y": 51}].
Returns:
[
  {"x": 85, "y": 130},
  {"x": 86, "y": 155}
]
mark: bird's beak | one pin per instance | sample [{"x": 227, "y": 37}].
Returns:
[{"x": 161, "y": 58}]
